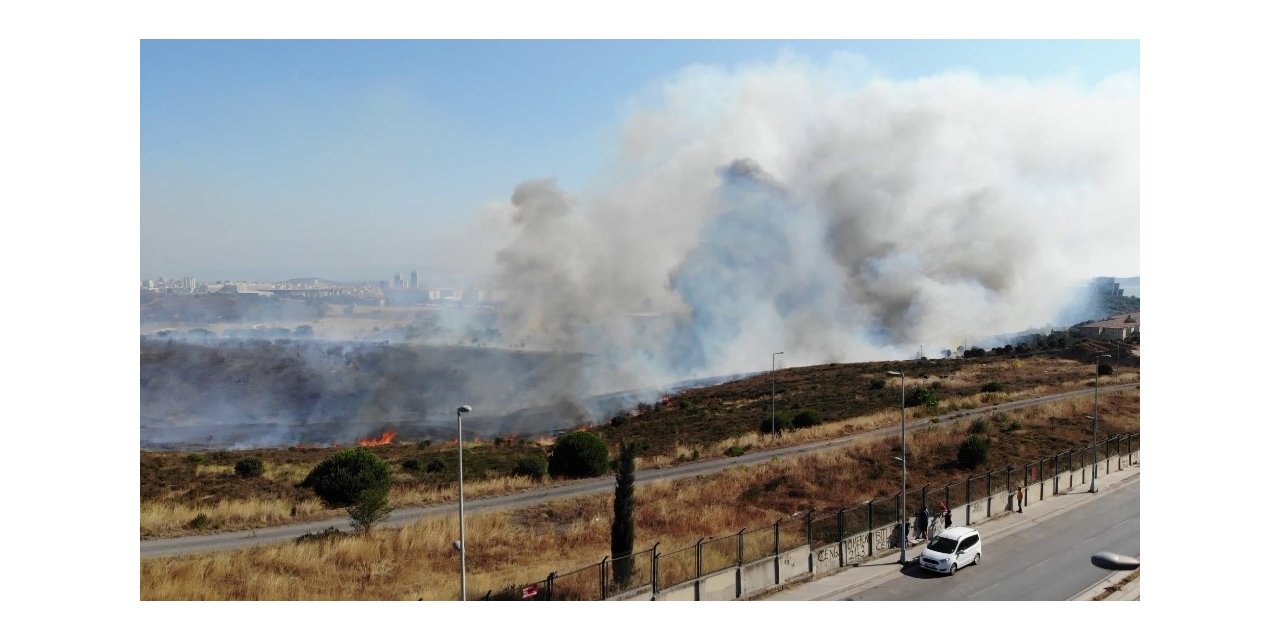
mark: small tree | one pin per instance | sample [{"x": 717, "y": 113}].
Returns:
[
  {"x": 1104, "y": 369},
  {"x": 249, "y": 467},
  {"x": 973, "y": 451},
  {"x": 806, "y": 418},
  {"x": 342, "y": 479},
  {"x": 917, "y": 396},
  {"x": 533, "y": 466},
  {"x": 370, "y": 508},
  {"x": 623, "y": 532},
  {"x": 783, "y": 422},
  {"x": 580, "y": 454}
]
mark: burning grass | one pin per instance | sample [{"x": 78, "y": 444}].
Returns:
[{"x": 524, "y": 545}]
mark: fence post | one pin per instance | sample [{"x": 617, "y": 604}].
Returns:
[
  {"x": 840, "y": 534},
  {"x": 653, "y": 570},
  {"x": 777, "y": 565},
  {"x": 1131, "y": 449},
  {"x": 604, "y": 579},
  {"x": 1040, "y": 474},
  {"x": 808, "y": 529},
  {"x": 946, "y": 494},
  {"x": 697, "y": 554},
  {"x": 1026, "y": 479},
  {"x": 968, "y": 500},
  {"x": 989, "y": 494},
  {"x": 1055, "y": 474},
  {"x": 551, "y": 585},
  {"x": 871, "y": 522},
  {"x": 741, "y": 533}
]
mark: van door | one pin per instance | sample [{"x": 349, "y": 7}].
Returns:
[{"x": 964, "y": 552}]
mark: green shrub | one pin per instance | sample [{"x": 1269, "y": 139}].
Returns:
[
  {"x": 330, "y": 533},
  {"x": 580, "y": 454},
  {"x": 200, "y": 521},
  {"x": 412, "y": 464},
  {"x": 533, "y": 466},
  {"x": 341, "y": 478},
  {"x": 195, "y": 458},
  {"x": 736, "y": 450},
  {"x": 978, "y": 426},
  {"x": 249, "y": 467},
  {"x": 918, "y": 396},
  {"x": 423, "y": 444},
  {"x": 992, "y": 387},
  {"x": 973, "y": 452},
  {"x": 784, "y": 422},
  {"x": 1104, "y": 369},
  {"x": 936, "y": 384},
  {"x": 435, "y": 465},
  {"x": 806, "y": 418},
  {"x": 877, "y": 383}
]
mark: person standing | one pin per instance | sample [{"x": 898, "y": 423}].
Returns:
[
  {"x": 1019, "y": 498},
  {"x": 946, "y": 516}
]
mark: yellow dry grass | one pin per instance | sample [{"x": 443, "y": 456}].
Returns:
[
  {"x": 167, "y": 516},
  {"x": 524, "y": 545}
]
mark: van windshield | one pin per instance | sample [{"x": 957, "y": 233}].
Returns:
[{"x": 942, "y": 545}]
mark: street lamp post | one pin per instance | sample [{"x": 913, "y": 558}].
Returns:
[
  {"x": 1097, "y": 366},
  {"x": 773, "y": 405},
  {"x": 902, "y": 538},
  {"x": 462, "y": 523}
]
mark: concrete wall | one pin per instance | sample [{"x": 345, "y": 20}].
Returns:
[
  {"x": 683, "y": 591},
  {"x": 793, "y": 564},
  {"x": 639, "y": 593},
  {"x": 757, "y": 576},
  {"x": 826, "y": 558},
  {"x": 882, "y": 538},
  {"x": 722, "y": 585},
  {"x": 856, "y": 548}
]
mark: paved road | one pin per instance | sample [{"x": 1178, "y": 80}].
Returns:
[{"x": 241, "y": 539}]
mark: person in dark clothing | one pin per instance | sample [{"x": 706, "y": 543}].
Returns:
[
  {"x": 946, "y": 516},
  {"x": 922, "y": 523}
]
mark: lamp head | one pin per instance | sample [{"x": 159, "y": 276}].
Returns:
[{"x": 466, "y": 408}]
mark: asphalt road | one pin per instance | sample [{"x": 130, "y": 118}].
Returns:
[
  {"x": 1046, "y": 562},
  {"x": 242, "y": 539}
]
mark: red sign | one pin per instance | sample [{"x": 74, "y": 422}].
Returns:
[{"x": 529, "y": 591}]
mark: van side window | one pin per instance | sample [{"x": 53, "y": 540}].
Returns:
[{"x": 968, "y": 542}]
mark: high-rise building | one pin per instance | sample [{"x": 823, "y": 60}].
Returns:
[
  {"x": 396, "y": 282},
  {"x": 413, "y": 279}
]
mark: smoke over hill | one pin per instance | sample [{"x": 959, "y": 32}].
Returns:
[{"x": 779, "y": 208}]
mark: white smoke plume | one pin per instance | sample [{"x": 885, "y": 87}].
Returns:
[{"x": 828, "y": 214}]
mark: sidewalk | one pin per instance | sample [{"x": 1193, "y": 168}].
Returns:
[{"x": 851, "y": 580}]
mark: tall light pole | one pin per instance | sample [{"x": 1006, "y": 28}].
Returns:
[
  {"x": 1097, "y": 366},
  {"x": 902, "y": 538},
  {"x": 773, "y": 404},
  {"x": 462, "y": 523}
]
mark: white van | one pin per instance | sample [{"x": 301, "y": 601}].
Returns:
[{"x": 952, "y": 549}]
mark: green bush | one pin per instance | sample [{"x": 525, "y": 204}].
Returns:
[
  {"x": 195, "y": 458},
  {"x": 877, "y": 383},
  {"x": 330, "y": 533},
  {"x": 423, "y": 444},
  {"x": 973, "y": 452},
  {"x": 992, "y": 387},
  {"x": 737, "y": 450},
  {"x": 341, "y": 478},
  {"x": 936, "y": 384},
  {"x": 412, "y": 464},
  {"x": 806, "y": 418},
  {"x": 784, "y": 422},
  {"x": 200, "y": 521},
  {"x": 918, "y": 396},
  {"x": 436, "y": 465},
  {"x": 533, "y": 466},
  {"x": 1104, "y": 369},
  {"x": 580, "y": 454},
  {"x": 249, "y": 467},
  {"x": 978, "y": 426}
]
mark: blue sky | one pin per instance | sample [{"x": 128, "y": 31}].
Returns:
[{"x": 342, "y": 158}]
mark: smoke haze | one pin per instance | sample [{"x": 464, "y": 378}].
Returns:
[{"x": 782, "y": 208}]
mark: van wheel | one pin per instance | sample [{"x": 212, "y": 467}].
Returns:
[
  {"x": 952, "y": 570},
  {"x": 977, "y": 558}
]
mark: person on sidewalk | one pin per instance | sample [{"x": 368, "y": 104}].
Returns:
[
  {"x": 922, "y": 523},
  {"x": 1019, "y": 498},
  {"x": 946, "y": 516}
]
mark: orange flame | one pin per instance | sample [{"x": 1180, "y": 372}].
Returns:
[{"x": 385, "y": 438}]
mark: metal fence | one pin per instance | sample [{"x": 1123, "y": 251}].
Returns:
[{"x": 861, "y": 531}]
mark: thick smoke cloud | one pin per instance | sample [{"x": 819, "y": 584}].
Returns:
[{"x": 783, "y": 208}]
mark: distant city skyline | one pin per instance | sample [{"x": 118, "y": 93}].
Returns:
[{"x": 349, "y": 159}]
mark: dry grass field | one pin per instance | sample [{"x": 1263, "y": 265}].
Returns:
[
  {"x": 524, "y": 545},
  {"x": 177, "y": 487}
]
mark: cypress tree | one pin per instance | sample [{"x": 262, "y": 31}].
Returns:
[{"x": 623, "y": 532}]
